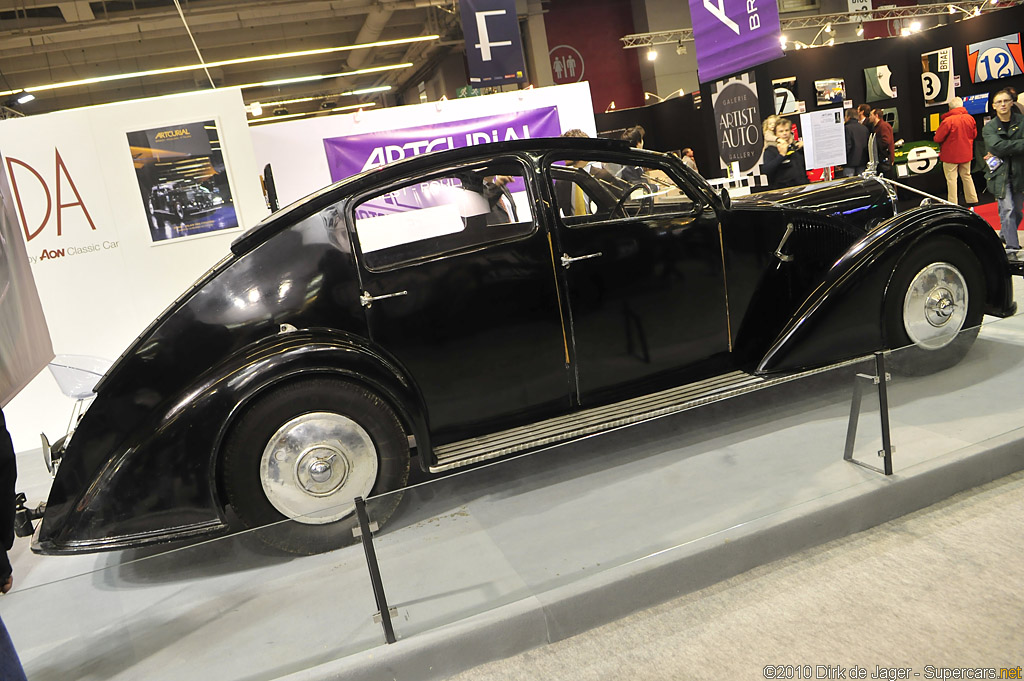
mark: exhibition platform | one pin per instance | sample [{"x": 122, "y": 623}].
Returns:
[{"x": 496, "y": 560}]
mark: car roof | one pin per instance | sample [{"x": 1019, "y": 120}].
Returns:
[{"x": 382, "y": 174}]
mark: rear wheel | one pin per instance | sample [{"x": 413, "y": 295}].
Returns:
[
  {"x": 304, "y": 452},
  {"x": 934, "y": 303}
]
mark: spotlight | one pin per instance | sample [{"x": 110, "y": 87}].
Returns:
[
  {"x": 281, "y": 111},
  {"x": 328, "y": 104},
  {"x": 860, "y": 31},
  {"x": 828, "y": 28},
  {"x": 652, "y": 54},
  {"x": 24, "y": 97},
  {"x": 680, "y": 48},
  {"x": 782, "y": 41},
  {"x": 255, "y": 109}
]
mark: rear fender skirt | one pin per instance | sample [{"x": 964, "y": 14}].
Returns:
[
  {"x": 842, "y": 317},
  {"x": 304, "y": 354},
  {"x": 129, "y": 497}
]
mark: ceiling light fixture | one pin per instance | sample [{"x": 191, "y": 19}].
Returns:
[
  {"x": 225, "y": 62},
  {"x": 305, "y": 79},
  {"x": 298, "y": 100},
  {"x": 24, "y": 97},
  {"x": 349, "y": 107}
]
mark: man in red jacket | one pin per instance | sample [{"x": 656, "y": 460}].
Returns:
[{"x": 956, "y": 135}]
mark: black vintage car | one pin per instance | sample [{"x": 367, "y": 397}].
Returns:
[
  {"x": 183, "y": 199},
  {"x": 466, "y": 305}
]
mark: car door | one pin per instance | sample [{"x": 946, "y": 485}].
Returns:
[
  {"x": 459, "y": 285},
  {"x": 640, "y": 254}
]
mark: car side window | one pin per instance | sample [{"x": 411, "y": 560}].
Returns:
[
  {"x": 461, "y": 208},
  {"x": 591, "y": 190}
]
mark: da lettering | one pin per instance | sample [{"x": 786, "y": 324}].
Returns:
[{"x": 61, "y": 179}]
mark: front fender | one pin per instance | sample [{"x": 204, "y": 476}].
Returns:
[
  {"x": 161, "y": 483},
  {"x": 842, "y": 317}
]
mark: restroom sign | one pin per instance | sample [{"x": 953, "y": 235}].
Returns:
[{"x": 566, "y": 64}]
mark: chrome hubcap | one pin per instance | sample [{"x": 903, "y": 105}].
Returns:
[
  {"x": 315, "y": 465},
  {"x": 935, "y": 307}
]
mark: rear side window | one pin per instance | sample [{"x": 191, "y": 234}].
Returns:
[{"x": 460, "y": 209}]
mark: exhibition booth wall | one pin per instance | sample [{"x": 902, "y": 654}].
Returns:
[
  {"x": 308, "y": 154},
  {"x": 96, "y": 193},
  {"x": 856, "y": 65},
  {"x": 498, "y": 559}
]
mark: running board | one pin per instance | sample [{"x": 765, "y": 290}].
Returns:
[{"x": 589, "y": 421}]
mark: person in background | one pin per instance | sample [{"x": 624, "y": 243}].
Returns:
[
  {"x": 885, "y": 143},
  {"x": 955, "y": 138},
  {"x": 784, "y": 162},
  {"x": 768, "y": 128},
  {"x": 10, "y": 665},
  {"x": 1004, "y": 138},
  {"x": 688, "y": 160},
  {"x": 863, "y": 114},
  {"x": 635, "y": 136},
  {"x": 856, "y": 145}
]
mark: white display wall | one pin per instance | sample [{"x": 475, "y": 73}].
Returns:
[
  {"x": 102, "y": 279},
  {"x": 295, "y": 149}
]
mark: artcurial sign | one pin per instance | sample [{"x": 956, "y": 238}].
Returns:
[
  {"x": 731, "y": 35},
  {"x": 737, "y": 122},
  {"x": 353, "y": 154}
]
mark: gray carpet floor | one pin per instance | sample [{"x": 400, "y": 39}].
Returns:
[{"x": 932, "y": 592}]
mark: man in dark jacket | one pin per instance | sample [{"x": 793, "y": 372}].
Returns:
[
  {"x": 10, "y": 665},
  {"x": 856, "y": 145},
  {"x": 1004, "y": 138},
  {"x": 955, "y": 137}
]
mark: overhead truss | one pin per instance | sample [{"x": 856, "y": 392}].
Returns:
[{"x": 964, "y": 9}]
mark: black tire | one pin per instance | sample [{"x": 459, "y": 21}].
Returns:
[
  {"x": 308, "y": 423},
  {"x": 941, "y": 268}
]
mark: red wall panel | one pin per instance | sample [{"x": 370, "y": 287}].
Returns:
[{"x": 585, "y": 33}]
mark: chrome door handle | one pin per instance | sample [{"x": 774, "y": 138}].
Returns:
[
  {"x": 568, "y": 260},
  {"x": 367, "y": 300}
]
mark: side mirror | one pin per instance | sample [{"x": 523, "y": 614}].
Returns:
[{"x": 726, "y": 199}]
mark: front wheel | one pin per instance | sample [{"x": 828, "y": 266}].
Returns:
[
  {"x": 304, "y": 453},
  {"x": 934, "y": 303}
]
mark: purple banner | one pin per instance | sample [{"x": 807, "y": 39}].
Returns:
[
  {"x": 731, "y": 35},
  {"x": 347, "y": 156},
  {"x": 494, "y": 48}
]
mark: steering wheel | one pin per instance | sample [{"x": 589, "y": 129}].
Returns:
[{"x": 619, "y": 210}]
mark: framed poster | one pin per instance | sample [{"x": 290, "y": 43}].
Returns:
[
  {"x": 891, "y": 115},
  {"x": 878, "y": 83},
  {"x": 830, "y": 91},
  {"x": 995, "y": 58},
  {"x": 785, "y": 95},
  {"x": 976, "y": 105},
  {"x": 937, "y": 76},
  {"x": 182, "y": 180}
]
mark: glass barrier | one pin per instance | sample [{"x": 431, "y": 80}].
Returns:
[
  {"x": 524, "y": 530},
  {"x": 527, "y": 527},
  {"x": 975, "y": 401},
  {"x": 231, "y": 609}
]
